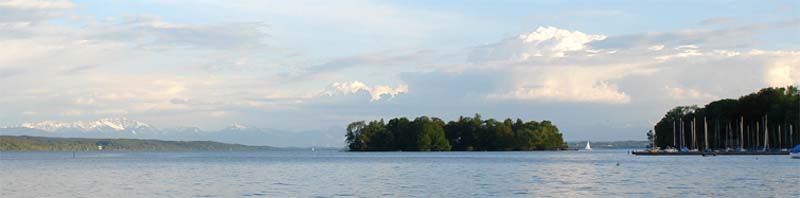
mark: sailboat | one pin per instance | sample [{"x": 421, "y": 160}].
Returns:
[{"x": 588, "y": 146}]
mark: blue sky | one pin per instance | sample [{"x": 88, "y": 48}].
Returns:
[{"x": 600, "y": 70}]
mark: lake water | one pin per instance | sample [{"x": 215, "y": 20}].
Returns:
[{"x": 393, "y": 174}]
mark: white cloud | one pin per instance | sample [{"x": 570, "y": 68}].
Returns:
[
  {"x": 784, "y": 71},
  {"x": 556, "y": 42},
  {"x": 689, "y": 94},
  {"x": 219, "y": 114},
  {"x": 656, "y": 47},
  {"x": 375, "y": 92},
  {"x": 153, "y": 67},
  {"x": 569, "y": 84},
  {"x": 601, "y": 92},
  {"x": 37, "y": 4},
  {"x": 550, "y": 42},
  {"x": 26, "y": 13},
  {"x": 683, "y": 51}
]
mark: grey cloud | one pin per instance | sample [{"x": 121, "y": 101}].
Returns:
[
  {"x": 10, "y": 72},
  {"x": 731, "y": 37},
  {"x": 20, "y": 19},
  {"x": 179, "y": 101},
  {"x": 79, "y": 69},
  {"x": 441, "y": 88},
  {"x": 32, "y": 11},
  {"x": 386, "y": 59},
  {"x": 154, "y": 33}
]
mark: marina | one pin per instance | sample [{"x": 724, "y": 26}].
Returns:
[{"x": 709, "y": 153}]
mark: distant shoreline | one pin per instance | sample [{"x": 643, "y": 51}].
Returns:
[
  {"x": 38, "y": 143},
  {"x": 625, "y": 144}
]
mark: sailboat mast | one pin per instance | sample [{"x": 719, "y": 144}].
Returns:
[
  {"x": 779, "y": 137},
  {"x": 674, "y": 135},
  {"x": 683, "y": 137},
  {"x": 758, "y": 134},
  {"x": 766, "y": 132},
  {"x": 655, "y": 135},
  {"x": 741, "y": 133},
  {"x": 716, "y": 133},
  {"x": 694, "y": 132},
  {"x": 728, "y": 135},
  {"x": 693, "y": 142},
  {"x": 749, "y": 136},
  {"x": 705, "y": 131}
]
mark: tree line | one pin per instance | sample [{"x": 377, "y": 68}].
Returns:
[
  {"x": 465, "y": 134},
  {"x": 765, "y": 120}
]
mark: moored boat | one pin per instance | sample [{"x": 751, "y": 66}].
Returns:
[{"x": 795, "y": 152}]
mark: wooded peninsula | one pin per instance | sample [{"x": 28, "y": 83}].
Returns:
[{"x": 465, "y": 134}]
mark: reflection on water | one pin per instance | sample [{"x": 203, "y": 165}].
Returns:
[{"x": 394, "y": 174}]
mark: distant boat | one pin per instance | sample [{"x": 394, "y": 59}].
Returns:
[
  {"x": 588, "y": 146},
  {"x": 795, "y": 152}
]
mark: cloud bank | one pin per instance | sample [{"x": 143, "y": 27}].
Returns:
[{"x": 60, "y": 62}]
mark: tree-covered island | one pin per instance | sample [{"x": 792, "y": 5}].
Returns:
[{"x": 465, "y": 134}]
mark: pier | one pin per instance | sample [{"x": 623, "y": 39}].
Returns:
[{"x": 711, "y": 153}]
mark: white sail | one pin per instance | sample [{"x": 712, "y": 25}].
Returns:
[{"x": 588, "y": 146}]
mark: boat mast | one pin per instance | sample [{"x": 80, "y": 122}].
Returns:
[
  {"x": 674, "y": 135},
  {"x": 716, "y": 133},
  {"x": 705, "y": 132},
  {"x": 749, "y": 136},
  {"x": 694, "y": 143},
  {"x": 758, "y": 134},
  {"x": 741, "y": 133},
  {"x": 766, "y": 132},
  {"x": 683, "y": 137},
  {"x": 655, "y": 135},
  {"x": 779, "y": 137}
]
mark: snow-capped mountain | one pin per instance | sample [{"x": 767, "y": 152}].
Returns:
[
  {"x": 126, "y": 128},
  {"x": 238, "y": 127},
  {"x": 106, "y": 125}
]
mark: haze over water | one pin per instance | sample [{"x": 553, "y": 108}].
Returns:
[{"x": 393, "y": 174}]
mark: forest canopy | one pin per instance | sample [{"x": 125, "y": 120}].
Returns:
[
  {"x": 764, "y": 120},
  {"x": 465, "y": 134}
]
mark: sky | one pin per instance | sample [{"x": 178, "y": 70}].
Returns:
[{"x": 600, "y": 70}]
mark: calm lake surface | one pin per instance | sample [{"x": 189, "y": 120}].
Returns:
[{"x": 393, "y": 174}]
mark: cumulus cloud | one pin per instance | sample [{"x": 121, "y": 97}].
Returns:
[
  {"x": 147, "y": 66},
  {"x": 601, "y": 92},
  {"x": 375, "y": 92},
  {"x": 556, "y": 65},
  {"x": 784, "y": 71},
  {"x": 549, "y": 42},
  {"x": 569, "y": 84}
]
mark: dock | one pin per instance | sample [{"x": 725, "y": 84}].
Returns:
[{"x": 711, "y": 153}]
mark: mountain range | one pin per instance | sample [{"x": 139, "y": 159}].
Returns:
[{"x": 126, "y": 128}]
